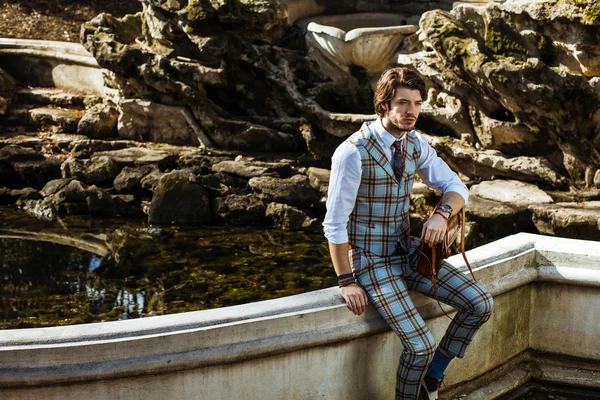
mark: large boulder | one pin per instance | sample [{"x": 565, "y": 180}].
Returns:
[
  {"x": 100, "y": 121},
  {"x": 178, "y": 200},
  {"x": 514, "y": 192},
  {"x": 500, "y": 207}
]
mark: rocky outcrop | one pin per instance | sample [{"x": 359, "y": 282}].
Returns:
[{"x": 526, "y": 71}]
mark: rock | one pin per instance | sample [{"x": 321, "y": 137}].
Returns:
[
  {"x": 501, "y": 61},
  {"x": 221, "y": 185},
  {"x": 200, "y": 161},
  {"x": 10, "y": 196},
  {"x": 100, "y": 121},
  {"x": 293, "y": 191},
  {"x": 319, "y": 179},
  {"x": 55, "y": 119},
  {"x": 12, "y": 153},
  {"x": 86, "y": 148},
  {"x": 496, "y": 219},
  {"x": 100, "y": 202},
  {"x": 288, "y": 217},
  {"x": 445, "y": 114},
  {"x": 45, "y": 96},
  {"x": 72, "y": 168},
  {"x": 574, "y": 195},
  {"x": 74, "y": 192},
  {"x": 37, "y": 173},
  {"x": 146, "y": 121},
  {"x": 506, "y": 136},
  {"x": 597, "y": 178},
  {"x": 251, "y": 169},
  {"x": 135, "y": 156},
  {"x": 150, "y": 181},
  {"x": 513, "y": 192},
  {"x": 43, "y": 209},
  {"x": 128, "y": 180},
  {"x": 101, "y": 170},
  {"x": 7, "y": 88},
  {"x": 236, "y": 209},
  {"x": 177, "y": 200},
  {"x": 65, "y": 140},
  {"x": 572, "y": 220},
  {"x": 488, "y": 164},
  {"x": 422, "y": 191},
  {"x": 54, "y": 186}
]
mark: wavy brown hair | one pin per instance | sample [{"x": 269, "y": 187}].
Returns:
[{"x": 392, "y": 79}]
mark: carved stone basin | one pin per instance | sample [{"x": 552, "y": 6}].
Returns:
[{"x": 368, "y": 40}]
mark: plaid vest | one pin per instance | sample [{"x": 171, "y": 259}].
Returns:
[{"x": 379, "y": 222}]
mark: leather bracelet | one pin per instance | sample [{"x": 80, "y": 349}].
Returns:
[
  {"x": 440, "y": 213},
  {"x": 347, "y": 283},
  {"x": 345, "y": 276}
]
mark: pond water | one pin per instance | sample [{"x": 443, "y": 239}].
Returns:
[{"x": 48, "y": 283}]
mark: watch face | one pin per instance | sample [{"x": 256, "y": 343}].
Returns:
[{"x": 446, "y": 207}]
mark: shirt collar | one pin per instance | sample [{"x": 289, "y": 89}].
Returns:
[{"x": 383, "y": 135}]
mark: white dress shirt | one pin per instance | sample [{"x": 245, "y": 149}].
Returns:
[{"x": 346, "y": 172}]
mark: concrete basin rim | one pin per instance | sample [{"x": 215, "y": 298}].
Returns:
[
  {"x": 291, "y": 332},
  {"x": 517, "y": 245}
]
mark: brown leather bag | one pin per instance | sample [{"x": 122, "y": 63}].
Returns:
[{"x": 430, "y": 258}]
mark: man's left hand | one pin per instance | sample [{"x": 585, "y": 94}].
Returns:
[{"x": 434, "y": 230}]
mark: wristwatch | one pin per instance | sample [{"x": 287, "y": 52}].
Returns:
[{"x": 446, "y": 208}]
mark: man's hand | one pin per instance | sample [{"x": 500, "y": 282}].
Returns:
[
  {"x": 356, "y": 298},
  {"x": 434, "y": 230}
]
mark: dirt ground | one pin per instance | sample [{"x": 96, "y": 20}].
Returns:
[{"x": 56, "y": 19}]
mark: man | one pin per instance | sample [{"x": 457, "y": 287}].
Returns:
[{"x": 372, "y": 175}]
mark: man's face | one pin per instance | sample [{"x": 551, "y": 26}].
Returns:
[{"x": 403, "y": 111}]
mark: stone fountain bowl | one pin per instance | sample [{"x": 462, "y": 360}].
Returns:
[{"x": 368, "y": 40}]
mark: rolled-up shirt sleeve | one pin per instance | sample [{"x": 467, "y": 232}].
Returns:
[
  {"x": 436, "y": 174},
  {"x": 346, "y": 171}
]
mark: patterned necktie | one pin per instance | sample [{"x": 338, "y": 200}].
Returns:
[{"x": 398, "y": 160}]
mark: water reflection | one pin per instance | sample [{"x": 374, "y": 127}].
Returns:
[{"x": 47, "y": 284}]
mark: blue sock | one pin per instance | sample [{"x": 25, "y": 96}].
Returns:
[{"x": 438, "y": 365}]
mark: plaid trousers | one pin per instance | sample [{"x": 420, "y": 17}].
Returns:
[{"x": 387, "y": 280}]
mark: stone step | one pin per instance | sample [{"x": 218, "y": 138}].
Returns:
[
  {"x": 15, "y": 115},
  {"x": 55, "y": 119},
  {"x": 50, "y": 96}
]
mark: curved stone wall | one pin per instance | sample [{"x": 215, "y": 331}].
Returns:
[
  {"x": 52, "y": 64},
  {"x": 310, "y": 346}
]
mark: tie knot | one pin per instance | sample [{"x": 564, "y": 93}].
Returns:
[{"x": 397, "y": 145}]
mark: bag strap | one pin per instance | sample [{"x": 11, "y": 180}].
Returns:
[
  {"x": 462, "y": 243},
  {"x": 434, "y": 256}
]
